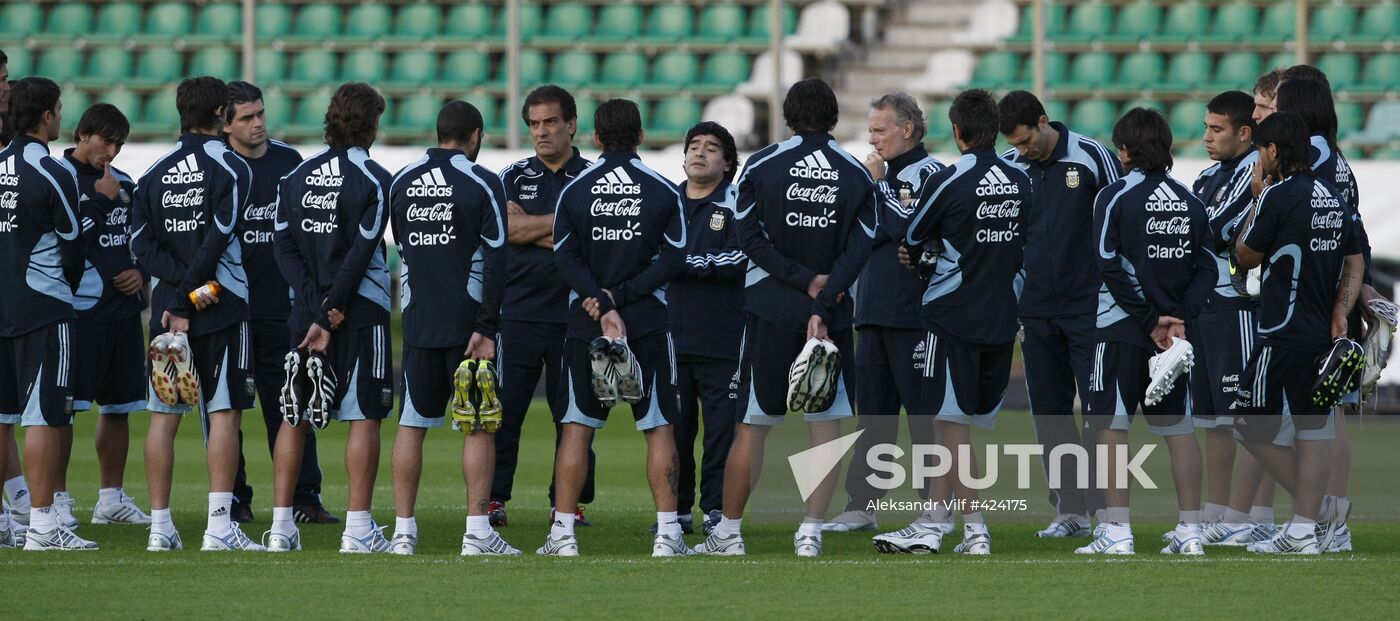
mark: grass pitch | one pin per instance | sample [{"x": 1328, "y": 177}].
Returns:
[{"x": 616, "y": 577}]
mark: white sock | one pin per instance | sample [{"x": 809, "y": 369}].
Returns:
[
  {"x": 161, "y": 522},
  {"x": 282, "y": 521},
  {"x": 1213, "y": 513},
  {"x": 479, "y": 525},
  {"x": 1190, "y": 518},
  {"x": 1261, "y": 514},
  {"x": 728, "y": 527},
  {"x": 810, "y": 527},
  {"x": 358, "y": 523},
  {"x": 1117, "y": 521},
  {"x": 975, "y": 517},
  {"x": 109, "y": 495},
  {"x": 668, "y": 524},
  {"x": 563, "y": 524},
  {"x": 1235, "y": 517},
  {"x": 406, "y": 525},
  {"x": 18, "y": 490},
  {"x": 43, "y": 520},
  {"x": 937, "y": 515},
  {"x": 1301, "y": 527},
  {"x": 220, "y": 508}
]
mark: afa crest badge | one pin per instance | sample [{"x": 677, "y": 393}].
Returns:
[
  {"x": 1072, "y": 178},
  {"x": 717, "y": 221}
]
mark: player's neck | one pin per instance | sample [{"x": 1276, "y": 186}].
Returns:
[
  {"x": 698, "y": 189},
  {"x": 252, "y": 153},
  {"x": 38, "y": 137},
  {"x": 557, "y": 162},
  {"x": 205, "y": 132},
  {"x": 82, "y": 157}
]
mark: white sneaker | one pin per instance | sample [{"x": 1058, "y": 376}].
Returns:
[
  {"x": 916, "y": 538},
  {"x": 1342, "y": 542},
  {"x": 491, "y": 545},
  {"x": 1066, "y": 525},
  {"x": 367, "y": 544},
  {"x": 1104, "y": 544},
  {"x": 1334, "y": 516},
  {"x": 161, "y": 542},
  {"x": 1166, "y": 367},
  {"x": 1185, "y": 541},
  {"x": 19, "y": 517},
  {"x": 1283, "y": 543},
  {"x": 124, "y": 511},
  {"x": 404, "y": 544},
  {"x": 59, "y": 538},
  {"x": 565, "y": 545},
  {"x": 7, "y": 537},
  {"x": 665, "y": 546},
  {"x": 63, "y": 505},
  {"x": 807, "y": 546},
  {"x": 1222, "y": 534},
  {"x": 233, "y": 540},
  {"x": 715, "y": 545},
  {"x": 852, "y": 521},
  {"x": 278, "y": 542},
  {"x": 975, "y": 543}
]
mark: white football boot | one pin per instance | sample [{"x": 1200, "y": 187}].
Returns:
[{"x": 1166, "y": 367}]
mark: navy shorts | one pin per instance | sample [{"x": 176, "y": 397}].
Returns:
[
  {"x": 1275, "y": 398},
  {"x": 888, "y": 370},
  {"x": 427, "y": 374},
  {"x": 1222, "y": 341},
  {"x": 657, "y": 358},
  {"x": 109, "y": 368},
  {"x": 223, "y": 362},
  {"x": 1117, "y": 386},
  {"x": 962, "y": 384},
  {"x": 364, "y": 388},
  {"x": 765, "y": 356},
  {"x": 35, "y": 377}
]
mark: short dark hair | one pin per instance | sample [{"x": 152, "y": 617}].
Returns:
[
  {"x": 976, "y": 115},
  {"x": 30, "y": 98},
  {"x": 456, "y": 122},
  {"x": 550, "y": 94},
  {"x": 240, "y": 92},
  {"x": 1288, "y": 132},
  {"x": 1019, "y": 108},
  {"x": 1267, "y": 84},
  {"x": 1311, "y": 99},
  {"x": 726, "y": 142},
  {"x": 1147, "y": 137},
  {"x": 4, "y": 60},
  {"x": 198, "y": 100},
  {"x": 1310, "y": 72},
  {"x": 105, "y": 120},
  {"x": 352, "y": 118},
  {"x": 1237, "y": 106},
  {"x": 810, "y": 106},
  {"x": 618, "y": 123}
]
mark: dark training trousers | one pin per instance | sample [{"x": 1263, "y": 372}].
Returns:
[
  {"x": 1058, "y": 354},
  {"x": 270, "y": 345}
]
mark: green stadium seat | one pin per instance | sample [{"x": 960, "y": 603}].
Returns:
[
  {"x": 939, "y": 129},
  {"x": 673, "y": 116},
  {"x": 1187, "y": 119},
  {"x": 274, "y": 20},
  {"x": 269, "y": 65},
  {"x": 995, "y": 69},
  {"x": 1379, "y": 22},
  {"x": 21, "y": 62},
  {"x": 1185, "y": 21},
  {"x": 20, "y": 19},
  {"x": 573, "y": 68},
  {"x": 1055, "y": 110},
  {"x": 1141, "y": 70},
  {"x": 1279, "y": 60},
  {"x": 157, "y": 66},
  {"x": 418, "y": 22},
  {"x": 1343, "y": 70},
  {"x": 313, "y": 67},
  {"x": 221, "y": 22},
  {"x": 69, "y": 20},
  {"x": 278, "y": 108},
  {"x": 364, "y": 65},
  {"x": 1382, "y": 124},
  {"x": 531, "y": 21},
  {"x": 533, "y": 68},
  {"x": 317, "y": 21},
  {"x": 60, "y": 64},
  {"x": 586, "y": 106},
  {"x": 75, "y": 103},
  {"x": 1054, "y": 22},
  {"x": 725, "y": 69},
  {"x": 617, "y": 23},
  {"x": 759, "y": 27},
  {"x": 1056, "y": 71},
  {"x": 1151, "y": 104},
  {"x": 1349, "y": 117},
  {"x": 622, "y": 70},
  {"x": 567, "y": 23},
  {"x": 160, "y": 115},
  {"x": 1094, "y": 118},
  {"x": 1330, "y": 23},
  {"x": 107, "y": 65},
  {"x": 670, "y": 23},
  {"x": 417, "y": 113},
  {"x": 1278, "y": 24},
  {"x": 674, "y": 69},
  {"x": 413, "y": 68},
  {"x": 465, "y": 68},
  {"x": 490, "y": 112},
  {"x": 168, "y": 19},
  {"x": 1235, "y": 21},
  {"x": 469, "y": 22},
  {"x": 220, "y": 62},
  {"x": 721, "y": 23},
  {"x": 124, "y": 99},
  {"x": 1088, "y": 21},
  {"x": 1138, "y": 21},
  {"x": 368, "y": 22},
  {"x": 311, "y": 109},
  {"x": 1382, "y": 73},
  {"x": 116, "y": 21},
  {"x": 1091, "y": 70},
  {"x": 1187, "y": 71},
  {"x": 1237, "y": 71}
]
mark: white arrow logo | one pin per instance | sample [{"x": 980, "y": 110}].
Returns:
[{"x": 812, "y": 465}]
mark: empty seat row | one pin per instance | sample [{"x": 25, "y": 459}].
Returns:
[
  {"x": 1181, "y": 71},
  {"x": 1193, "y": 20}
]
